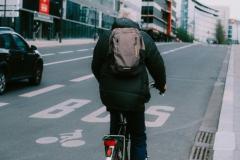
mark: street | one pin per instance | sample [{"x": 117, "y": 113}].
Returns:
[{"x": 64, "y": 119}]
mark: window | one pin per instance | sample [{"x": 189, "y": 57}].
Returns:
[
  {"x": 5, "y": 41},
  {"x": 20, "y": 43}
]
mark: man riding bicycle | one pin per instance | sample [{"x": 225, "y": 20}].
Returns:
[{"x": 128, "y": 94}]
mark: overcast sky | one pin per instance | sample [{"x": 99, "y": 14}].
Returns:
[{"x": 234, "y": 6}]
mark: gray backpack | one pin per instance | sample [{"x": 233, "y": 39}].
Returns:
[{"x": 126, "y": 47}]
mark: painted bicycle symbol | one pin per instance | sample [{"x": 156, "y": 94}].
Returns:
[{"x": 72, "y": 139}]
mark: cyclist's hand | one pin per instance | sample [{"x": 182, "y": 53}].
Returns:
[{"x": 162, "y": 89}]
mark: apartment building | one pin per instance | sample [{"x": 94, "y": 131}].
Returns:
[
  {"x": 159, "y": 18},
  {"x": 234, "y": 31}
]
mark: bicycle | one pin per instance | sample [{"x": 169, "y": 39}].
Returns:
[{"x": 116, "y": 145}]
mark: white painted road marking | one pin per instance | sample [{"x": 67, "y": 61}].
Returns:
[
  {"x": 61, "y": 109},
  {"x": 177, "y": 49},
  {"x": 3, "y": 104},
  {"x": 69, "y": 60},
  {"x": 162, "y": 116},
  {"x": 96, "y": 116},
  {"x": 82, "y": 78},
  {"x": 41, "y": 91},
  {"x": 64, "y": 52},
  {"x": 162, "y": 113},
  {"x": 49, "y": 54},
  {"x": 73, "y": 139},
  {"x": 82, "y": 50}
]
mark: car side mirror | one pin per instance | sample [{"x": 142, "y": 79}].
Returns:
[{"x": 33, "y": 48}]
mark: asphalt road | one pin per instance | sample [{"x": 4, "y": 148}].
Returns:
[{"x": 63, "y": 118}]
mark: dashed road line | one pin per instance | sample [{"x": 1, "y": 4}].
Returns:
[
  {"x": 82, "y": 78},
  {"x": 64, "y": 52},
  {"x": 3, "y": 104},
  {"x": 165, "y": 43},
  {"x": 41, "y": 91},
  {"x": 177, "y": 49},
  {"x": 69, "y": 60},
  {"x": 82, "y": 50},
  {"x": 48, "y": 54}
]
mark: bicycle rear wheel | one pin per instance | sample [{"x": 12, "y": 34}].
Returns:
[{"x": 114, "y": 147}]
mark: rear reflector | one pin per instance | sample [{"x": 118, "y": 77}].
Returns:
[
  {"x": 110, "y": 142},
  {"x": 109, "y": 152}
]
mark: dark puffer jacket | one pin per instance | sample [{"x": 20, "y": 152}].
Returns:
[{"x": 127, "y": 94}]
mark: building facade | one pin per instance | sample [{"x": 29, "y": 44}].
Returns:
[
  {"x": 159, "y": 18},
  {"x": 199, "y": 20},
  {"x": 47, "y": 19},
  {"x": 234, "y": 31}
]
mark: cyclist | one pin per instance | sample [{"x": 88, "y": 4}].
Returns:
[{"x": 128, "y": 95}]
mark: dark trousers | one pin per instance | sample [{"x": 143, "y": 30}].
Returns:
[{"x": 136, "y": 128}]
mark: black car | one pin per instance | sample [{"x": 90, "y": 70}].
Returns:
[
  {"x": 6, "y": 29},
  {"x": 18, "y": 60}
]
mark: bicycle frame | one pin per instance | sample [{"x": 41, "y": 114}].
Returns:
[{"x": 115, "y": 145}]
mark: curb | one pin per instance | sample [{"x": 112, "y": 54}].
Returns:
[{"x": 225, "y": 140}]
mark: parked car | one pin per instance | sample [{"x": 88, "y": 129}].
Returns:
[
  {"x": 18, "y": 60},
  {"x": 6, "y": 29},
  {"x": 211, "y": 41}
]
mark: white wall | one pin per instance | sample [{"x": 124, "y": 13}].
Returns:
[{"x": 202, "y": 25}]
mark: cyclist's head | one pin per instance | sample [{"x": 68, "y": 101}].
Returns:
[{"x": 127, "y": 13}]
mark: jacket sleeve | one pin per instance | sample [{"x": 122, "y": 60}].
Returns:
[
  {"x": 99, "y": 55},
  {"x": 154, "y": 62}
]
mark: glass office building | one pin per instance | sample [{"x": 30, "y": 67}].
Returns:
[{"x": 70, "y": 18}]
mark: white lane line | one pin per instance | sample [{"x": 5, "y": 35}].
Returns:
[
  {"x": 64, "y": 52},
  {"x": 177, "y": 49},
  {"x": 82, "y": 50},
  {"x": 49, "y": 54},
  {"x": 166, "y": 43},
  {"x": 41, "y": 91},
  {"x": 69, "y": 60},
  {"x": 82, "y": 78},
  {"x": 3, "y": 104}
]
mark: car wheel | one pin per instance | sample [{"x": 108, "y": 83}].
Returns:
[
  {"x": 2, "y": 82},
  {"x": 37, "y": 76}
]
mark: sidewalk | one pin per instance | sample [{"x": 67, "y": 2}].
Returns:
[
  {"x": 53, "y": 43},
  {"x": 227, "y": 141}
]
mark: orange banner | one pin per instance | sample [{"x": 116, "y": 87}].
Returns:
[{"x": 44, "y": 6}]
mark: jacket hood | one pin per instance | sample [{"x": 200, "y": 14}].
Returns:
[{"x": 124, "y": 23}]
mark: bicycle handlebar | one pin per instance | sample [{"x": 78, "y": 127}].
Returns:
[{"x": 152, "y": 85}]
